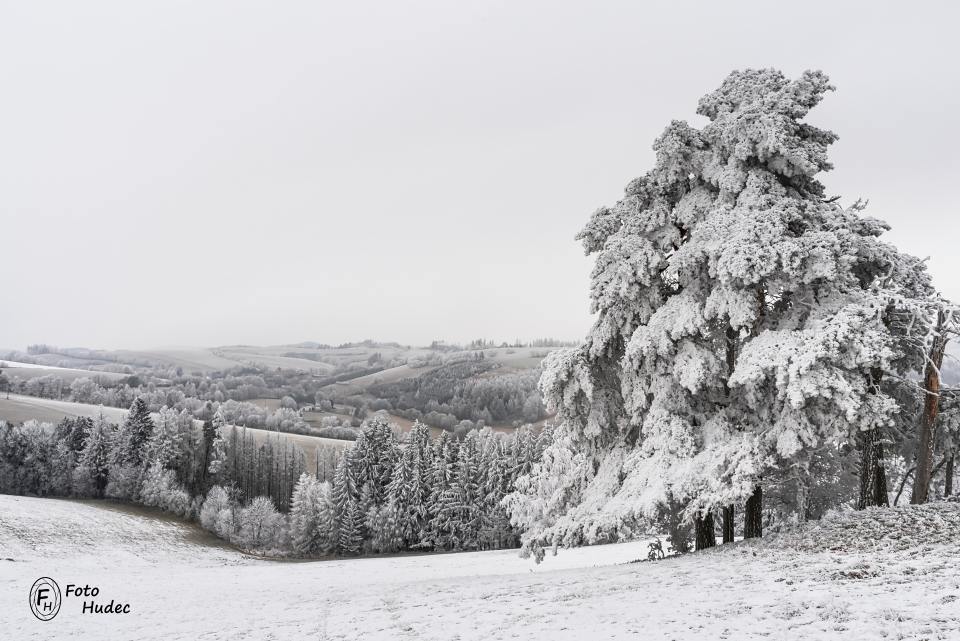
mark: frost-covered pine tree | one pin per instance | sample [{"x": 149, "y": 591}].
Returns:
[
  {"x": 403, "y": 499},
  {"x": 311, "y": 515},
  {"x": 74, "y": 432},
  {"x": 467, "y": 512},
  {"x": 349, "y": 521},
  {"x": 375, "y": 452},
  {"x": 127, "y": 455},
  {"x": 495, "y": 530},
  {"x": 93, "y": 463},
  {"x": 419, "y": 440},
  {"x": 136, "y": 430},
  {"x": 443, "y": 498},
  {"x": 218, "y": 448},
  {"x": 384, "y": 527},
  {"x": 165, "y": 443},
  {"x": 346, "y": 496},
  {"x": 345, "y": 488},
  {"x": 457, "y": 502},
  {"x": 744, "y": 319},
  {"x": 62, "y": 466}
]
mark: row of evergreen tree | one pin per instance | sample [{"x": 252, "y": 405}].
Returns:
[
  {"x": 391, "y": 493},
  {"x": 387, "y": 493}
]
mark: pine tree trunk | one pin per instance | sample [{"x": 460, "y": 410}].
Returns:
[
  {"x": 873, "y": 476},
  {"x": 728, "y": 514},
  {"x": 678, "y": 530},
  {"x": 706, "y": 536},
  {"x": 948, "y": 477},
  {"x": 803, "y": 495},
  {"x": 753, "y": 515},
  {"x": 931, "y": 404}
]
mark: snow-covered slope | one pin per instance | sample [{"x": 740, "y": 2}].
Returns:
[{"x": 183, "y": 585}]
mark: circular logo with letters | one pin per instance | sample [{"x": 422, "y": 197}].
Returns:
[{"x": 45, "y": 598}]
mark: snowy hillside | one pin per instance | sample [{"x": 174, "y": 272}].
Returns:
[{"x": 864, "y": 576}]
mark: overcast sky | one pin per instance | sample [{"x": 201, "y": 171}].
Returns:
[{"x": 201, "y": 173}]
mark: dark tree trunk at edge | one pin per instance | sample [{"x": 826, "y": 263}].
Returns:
[
  {"x": 728, "y": 515},
  {"x": 753, "y": 515},
  {"x": 706, "y": 537},
  {"x": 931, "y": 404}
]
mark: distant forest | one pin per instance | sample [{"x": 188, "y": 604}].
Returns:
[{"x": 454, "y": 388}]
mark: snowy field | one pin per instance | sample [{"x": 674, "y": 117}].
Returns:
[
  {"x": 181, "y": 584},
  {"x": 17, "y": 408}
]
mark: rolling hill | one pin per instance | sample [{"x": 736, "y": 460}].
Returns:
[{"x": 895, "y": 578}]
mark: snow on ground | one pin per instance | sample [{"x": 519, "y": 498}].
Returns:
[
  {"x": 183, "y": 585},
  {"x": 17, "y": 408}
]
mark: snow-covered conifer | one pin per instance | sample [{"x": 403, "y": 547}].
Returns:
[
  {"x": 308, "y": 530},
  {"x": 93, "y": 463},
  {"x": 218, "y": 447},
  {"x": 384, "y": 526},
  {"x": 135, "y": 431},
  {"x": 349, "y": 539},
  {"x": 403, "y": 498},
  {"x": 164, "y": 445},
  {"x": 742, "y": 319}
]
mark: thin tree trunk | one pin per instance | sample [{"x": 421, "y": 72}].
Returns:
[
  {"x": 906, "y": 476},
  {"x": 678, "y": 530},
  {"x": 706, "y": 536},
  {"x": 728, "y": 514},
  {"x": 753, "y": 515},
  {"x": 801, "y": 472},
  {"x": 948, "y": 477},
  {"x": 803, "y": 500},
  {"x": 931, "y": 404},
  {"x": 731, "y": 339}
]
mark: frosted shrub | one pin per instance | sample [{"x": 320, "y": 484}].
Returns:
[
  {"x": 225, "y": 525},
  {"x": 124, "y": 483},
  {"x": 217, "y": 500},
  {"x": 160, "y": 489},
  {"x": 259, "y": 524},
  {"x": 156, "y": 483},
  {"x": 177, "y": 501}
]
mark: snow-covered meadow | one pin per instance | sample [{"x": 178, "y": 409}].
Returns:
[{"x": 182, "y": 584}]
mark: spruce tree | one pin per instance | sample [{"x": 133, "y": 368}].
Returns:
[
  {"x": 349, "y": 538},
  {"x": 93, "y": 464},
  {"x": 306, "y": 534},
  {"x": 138, "y": 428},
  {"x": 402, "y": 496},
  {"x": 164, "y": 445},
  {"x": 467, "y": 485},
  {"x": 326, "y": 520}
]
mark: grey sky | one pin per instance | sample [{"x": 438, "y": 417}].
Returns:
[{"x": 208, "y": 173}]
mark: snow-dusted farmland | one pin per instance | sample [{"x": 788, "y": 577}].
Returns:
[
  {"x": 16, "y": 408},
  {"x": 14, "y": 370},
  {"x": 181, "y": 584}
]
